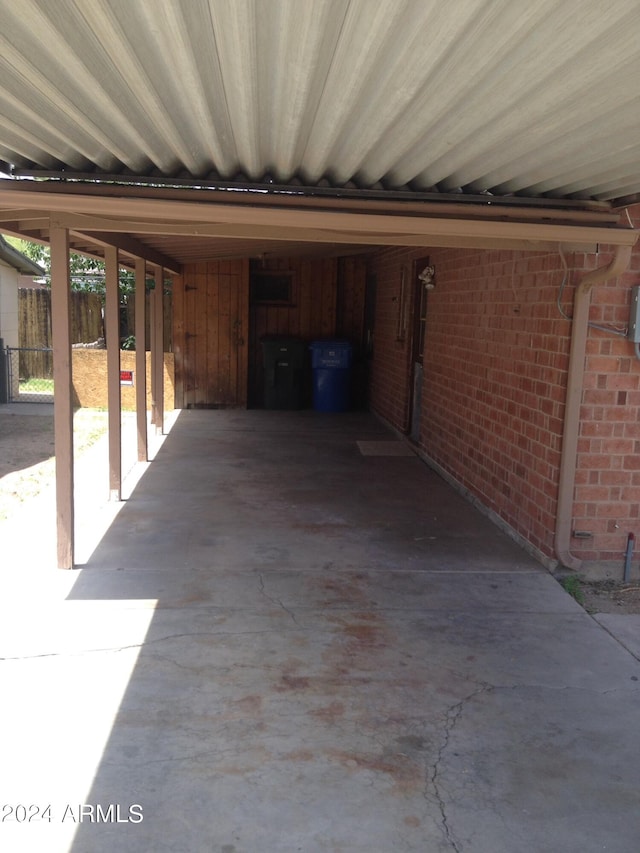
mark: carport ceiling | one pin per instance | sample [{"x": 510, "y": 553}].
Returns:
[
  {"x": 538, "y": 99},
  {"x": 184, "y": 130}
]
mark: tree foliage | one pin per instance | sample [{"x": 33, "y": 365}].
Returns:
[{"x": 86, "y": 274}]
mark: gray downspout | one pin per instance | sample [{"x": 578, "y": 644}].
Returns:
[{"x": 575, "y": 378}]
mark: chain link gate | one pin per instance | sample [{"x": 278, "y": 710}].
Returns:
[{"x": 29, "y": 375}]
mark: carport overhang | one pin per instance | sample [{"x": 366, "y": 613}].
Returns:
[
  {"x": 171, "y": 226},
  {"x": 166, "y": 227}
]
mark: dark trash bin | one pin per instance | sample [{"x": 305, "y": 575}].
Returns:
[
  {"x": 331, "y": 375},
  {"x": 284, "y": 362}
]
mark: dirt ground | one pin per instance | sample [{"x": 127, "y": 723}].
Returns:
[
  {"x": 611, "y": 597},
  {"x": 27, "y": 466}
]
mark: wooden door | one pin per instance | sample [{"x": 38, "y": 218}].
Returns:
[
  {"x": 355, "y": 315},
  {"x": 211, "y": 315}
]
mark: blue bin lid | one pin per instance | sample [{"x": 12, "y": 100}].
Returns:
[{"x": 329, "y": 344}]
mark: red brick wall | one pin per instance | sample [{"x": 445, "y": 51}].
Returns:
[
  {"x": 496, "y": 360},
  {"x": 607, "y": 497}
]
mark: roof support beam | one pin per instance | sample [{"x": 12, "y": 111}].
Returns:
[
  {"x": 130, "y": 246},
  {"x": 63, "y": 399},
  {"x": 87, "y": 212},
  {"x": 141, "y": 359},
  {"x": 324, "y": 236},
  {"x": 157, "y": 353},
  {"x": 112, "y": 322}
]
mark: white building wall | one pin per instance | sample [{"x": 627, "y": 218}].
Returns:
[{"x": 9, "y": 278}]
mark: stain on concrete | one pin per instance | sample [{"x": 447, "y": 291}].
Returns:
[
  {"x": 329, "y": 713},
  {"x": 251, "y": 705},
  {"x": 292, "y": 683},
  {"x": 298, "y": 755},
  {"x": 340, "y": 591},
  {"x": 405, "y": 773},
  {"x": 364, "y": 636},
  {"x": 290, "y": 680},
  {"x": 409, "y": 743}
]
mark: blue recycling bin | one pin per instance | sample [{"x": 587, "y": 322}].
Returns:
[{"x": 331, "y": 375}]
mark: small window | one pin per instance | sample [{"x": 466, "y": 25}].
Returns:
[{"x": 273, "y": 287}]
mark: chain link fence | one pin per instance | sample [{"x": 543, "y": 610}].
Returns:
[{"x": 29, "y": 375}]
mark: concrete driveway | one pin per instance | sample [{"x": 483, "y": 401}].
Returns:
[{"x": 294, "y": 636}]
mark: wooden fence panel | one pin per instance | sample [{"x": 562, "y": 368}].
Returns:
[
  {"x": 34, "y": 326},
  {"x": 34, "y": 333},
  {"x": 86, "y": 317}
]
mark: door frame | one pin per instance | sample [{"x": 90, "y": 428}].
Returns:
[{"x": 416, "y": 350}]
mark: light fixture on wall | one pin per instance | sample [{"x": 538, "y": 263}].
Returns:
[{"x": 427, "y": 277}]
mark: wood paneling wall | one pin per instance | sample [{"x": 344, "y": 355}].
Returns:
[
  {"x": 352, "y": 286},
  {"x": 311, "y": 314},
  {"x": 216, "y": 334},
  {"x": 210, "y": 334}
]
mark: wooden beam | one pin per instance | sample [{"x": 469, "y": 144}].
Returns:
[
  {"x": 131, "y": 246},
  {"x": 141, "y": 366},
  {"x": 417, "y": 233},
  {"x": 36, "y": 235},
  {"x": 152, "y": 355},
  {"x": 445, "y": 204},
  {"x": 112, "y": 322},
  {"x": 63, "y": 397},
  {"x": 23, "y": 216},
  {"x": 157, "y": 353},
  {"x": 157, "y": 210}
]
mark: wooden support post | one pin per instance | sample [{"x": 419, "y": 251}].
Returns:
[
  {"x": 112, "y": 318},
  {"x": 63, "y": 397},
  {"x": 157, "y": 352},
  {"x": 141, "y": 364},
  {"x": 152, "y": 356}
]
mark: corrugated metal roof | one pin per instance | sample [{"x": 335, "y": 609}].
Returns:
[{"x": 502, "y": 96}]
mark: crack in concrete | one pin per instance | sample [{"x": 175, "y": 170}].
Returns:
[
  {"x": 196, "y": 756},
  {"x": 452, "y": 717},
  {"x": 130, "y": 646},
  {"x": 275, "y": 601}
]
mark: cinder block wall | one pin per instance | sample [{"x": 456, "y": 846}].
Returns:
[{"x": 496, "y": 360}]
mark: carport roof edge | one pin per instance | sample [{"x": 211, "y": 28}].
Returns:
[{"x": 128, "y": 216}]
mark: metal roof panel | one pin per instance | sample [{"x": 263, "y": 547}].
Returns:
[{"x": 504, "y": 96}]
